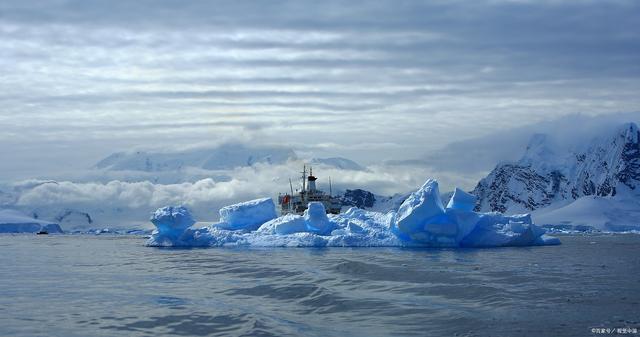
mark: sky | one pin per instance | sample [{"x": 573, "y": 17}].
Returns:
[{"x": 368, "y": 80}]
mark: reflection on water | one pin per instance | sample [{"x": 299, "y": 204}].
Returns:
[{"x": 113, "y": 285}]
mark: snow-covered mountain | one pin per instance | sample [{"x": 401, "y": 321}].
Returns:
[
  {"x": 339, "y": 163},
  {"x": 545, "y": 178},
  {"x": 557, "y": 184},
  {"x": 225, "y": 156}
]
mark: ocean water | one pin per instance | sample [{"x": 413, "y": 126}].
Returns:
[{"x": 82, "y": 285}]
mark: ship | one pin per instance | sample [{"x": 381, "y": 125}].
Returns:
[{"x": 296, "y": 203}]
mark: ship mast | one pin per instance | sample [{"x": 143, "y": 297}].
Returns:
[
  {"x": 290, "y": 198},
  {"x": 304, "y": 180}
]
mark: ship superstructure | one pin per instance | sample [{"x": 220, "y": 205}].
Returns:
[{"x": 297, "y": 202}]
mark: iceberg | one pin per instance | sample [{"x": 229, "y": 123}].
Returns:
[
  {"x": 315, "y": 216},
  {"x": 462, "y": 201},
  {"x": 420, "y": 221},
  {"x": 422, "y": 204},
  {"x": 496, "y": 230},
  {"x": 314, "y": 220},
  {"x": 287, "y": 224},
  {"x": 172, "y": 226},
  {"x": 172, "y": 221},
  {"x": 12, "y": 221},
  {"x": 248, "y": 215},
  {"x": 173, "y": 230}
]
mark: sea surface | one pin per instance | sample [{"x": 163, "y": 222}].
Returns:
[{"x": 83, "y": 285}]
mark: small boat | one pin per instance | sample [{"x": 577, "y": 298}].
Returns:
[{"x": 42, "y": 232}]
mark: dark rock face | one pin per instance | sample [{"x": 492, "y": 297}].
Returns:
[
  {"x": 66, "y": 214},
  {"x": 512, "y": 184},
  {"x": 628, "y": 171},
  {"x": 358, "y": 198},
  {"x": 542, "y": 177}
]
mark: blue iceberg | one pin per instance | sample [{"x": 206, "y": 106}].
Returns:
[
  {"x": 420, "y": 221},
  {"x": 248, "y": 215},
  {"x": 462, "y": 201}
]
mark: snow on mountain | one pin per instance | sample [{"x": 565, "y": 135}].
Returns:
[
  {"x": 544, "y": 178},
  {"x": 339, "y": 163},
  {"x": 226, "y": 156},
  {"x": 604, "y": 213}
]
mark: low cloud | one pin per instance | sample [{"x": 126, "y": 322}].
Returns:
[
  {"x": 129, "y": 203},
  {"x": 476, "y": 157}
]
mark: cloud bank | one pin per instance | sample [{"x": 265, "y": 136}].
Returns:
[
  {"x": 118, "y": 203},
  {"x": 374, "y": 79}
]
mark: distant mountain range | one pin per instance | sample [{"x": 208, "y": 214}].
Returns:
[
  {"x": 592, "y": 185},
  {"x": 224, "y": 157},
  {"x": 339, "y": 163}
]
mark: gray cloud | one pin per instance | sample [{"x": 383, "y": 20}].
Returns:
[
  {"x": 102, "y": 76},
  {"x": 476, "y": 157}
]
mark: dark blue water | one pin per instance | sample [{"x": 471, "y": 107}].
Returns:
[{"x": 115, "y": 286}]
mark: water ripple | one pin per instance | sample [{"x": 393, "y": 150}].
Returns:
[{"x": 85, "y": 285}]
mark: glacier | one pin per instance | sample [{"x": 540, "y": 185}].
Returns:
[
  {"x": 12, "y": 221},
  {"x": 420, "y": 221}
]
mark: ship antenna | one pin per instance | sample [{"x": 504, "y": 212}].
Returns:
[{"x": 291, "y": 186}]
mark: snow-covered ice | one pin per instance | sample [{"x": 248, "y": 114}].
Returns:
[
  {"x": 172, "y": 220},
  {"x": 248, "y": 215},
  {"x": 421, "y": 206},
  {"x": 287, "y": 224},
  {"x": 172, "y": 223},
  {"x": 461, "y": 200},
  {"x": 316, "y": 219},
  {"x": 12, "y": 221},
  {"x": 620, "y": 213},
  {"x": 420, "y": 221}
]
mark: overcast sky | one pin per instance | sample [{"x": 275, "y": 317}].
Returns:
[{"x": 368, "y": 80}]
